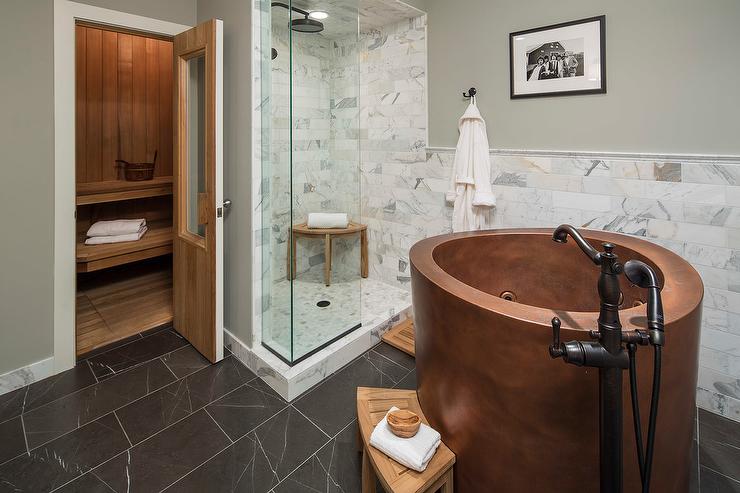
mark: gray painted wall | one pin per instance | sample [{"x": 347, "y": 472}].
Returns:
[
  {"x": 27, "y": 177},
  {"x": 237, "y": 17},
  {"x": 672, "y": 72},
  {"x": 27, "y": 169}
]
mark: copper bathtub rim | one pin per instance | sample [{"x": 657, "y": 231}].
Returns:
[{"x": 682, "y": 292}]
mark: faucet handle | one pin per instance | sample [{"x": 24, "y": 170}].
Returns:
[{"x": 555, "y": 350}]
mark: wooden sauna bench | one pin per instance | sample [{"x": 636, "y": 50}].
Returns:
[
  {"x": 121, "y": 302},
  {"x": 118, "y": 190},
  {"x": 156, "y": 242}
]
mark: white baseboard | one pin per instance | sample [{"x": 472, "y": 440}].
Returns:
[{"x": 28, "y": 374}]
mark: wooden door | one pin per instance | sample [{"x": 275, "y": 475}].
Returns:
[{"x": 198, "y": 195}]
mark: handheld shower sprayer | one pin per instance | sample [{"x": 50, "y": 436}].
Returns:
[{"x": 642, "y": 275}]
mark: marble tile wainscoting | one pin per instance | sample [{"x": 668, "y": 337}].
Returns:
[{"x": 689, "y": 204}]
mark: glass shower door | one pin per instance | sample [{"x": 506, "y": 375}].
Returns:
[
  {"x": 310, "y": 117},
  {"x": 325, "y": 175},
  {"x": 276, "y": 192}
]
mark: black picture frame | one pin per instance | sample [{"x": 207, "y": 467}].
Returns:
[{"x": 601, "y": 19}]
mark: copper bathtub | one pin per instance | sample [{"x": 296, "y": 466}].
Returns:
[{"x": 518, "y": 420}]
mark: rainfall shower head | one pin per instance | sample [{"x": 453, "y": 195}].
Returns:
[{"x": 306, "y": 25}]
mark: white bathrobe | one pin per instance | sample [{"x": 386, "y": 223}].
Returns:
[{"x": 470, "y": 185}]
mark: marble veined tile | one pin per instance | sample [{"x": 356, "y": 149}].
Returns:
[{"x": 366, "y": 301}]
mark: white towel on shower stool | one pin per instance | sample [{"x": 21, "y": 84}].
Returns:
[
  {"x": 327, "y": 220},
  {"x": 117, "y": 227},
  {"x": 414, "y": 453},
  {"x": 101, "y": 240}
]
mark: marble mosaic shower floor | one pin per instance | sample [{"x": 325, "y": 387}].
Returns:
[{"x": 351, "y": 302}]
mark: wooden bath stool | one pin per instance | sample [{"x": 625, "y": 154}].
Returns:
[
  {"x": 328, "y": 234},
  {"x": 372, "y": 405}
]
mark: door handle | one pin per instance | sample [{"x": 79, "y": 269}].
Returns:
[{"x": 225, "y": 206}]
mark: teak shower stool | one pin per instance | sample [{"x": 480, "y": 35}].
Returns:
[
  {"x": 328, "y": 234},
  {"x": 372, "y": 406}
]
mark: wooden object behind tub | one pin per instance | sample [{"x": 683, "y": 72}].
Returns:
[{"x": 402, "y": 337}]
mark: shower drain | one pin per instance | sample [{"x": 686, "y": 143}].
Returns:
[{"x": 323, "y": 303}]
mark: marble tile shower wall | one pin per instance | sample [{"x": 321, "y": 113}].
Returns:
[
  {"x": 325, "y": 174},
  {"x": 691, "y": 207},
  {"x": 399, "y": 199},
  {"x": 348, "y": 94}
]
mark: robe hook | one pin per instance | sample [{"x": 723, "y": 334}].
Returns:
[{"x": 471, "y": 93}]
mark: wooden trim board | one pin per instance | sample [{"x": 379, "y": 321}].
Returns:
[{"x": 402, "y": 337}]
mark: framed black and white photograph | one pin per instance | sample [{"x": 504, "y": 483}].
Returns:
[{"x": 559, "y": 60}]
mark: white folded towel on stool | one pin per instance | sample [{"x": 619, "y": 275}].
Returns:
[
  {"x": 414, "y": 453},
  {"x": 100, "y": 240},
  {"x": 326, "y": 220},
  {"x": 117, "y": 227}
]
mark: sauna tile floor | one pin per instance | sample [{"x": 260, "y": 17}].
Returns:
[{"x": 153, "y": 415}]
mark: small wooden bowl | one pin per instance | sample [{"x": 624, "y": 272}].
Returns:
[{"x": 404, "y": 423}]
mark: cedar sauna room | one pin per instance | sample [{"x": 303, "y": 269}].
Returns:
[{"x": 124, "y": 112}]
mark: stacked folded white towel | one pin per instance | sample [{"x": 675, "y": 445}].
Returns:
[
  {"x": 414, "y": 453},
  {"x": 327, "y": 220},
  {"x": 116, "y": 231}
]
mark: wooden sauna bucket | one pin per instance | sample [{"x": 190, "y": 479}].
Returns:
[{"x": 137, "y": 171}]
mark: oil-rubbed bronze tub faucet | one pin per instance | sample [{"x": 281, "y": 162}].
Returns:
[
  {"x": 606, "y": 354},
  {"x": 561, "y": 233},
  {"x": 609, "y": 355}
]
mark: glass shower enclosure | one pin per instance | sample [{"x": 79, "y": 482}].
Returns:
[{"x": 310, "y": 144}]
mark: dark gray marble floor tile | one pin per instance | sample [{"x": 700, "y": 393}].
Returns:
[
  {"x": 12, "y": 440},
  {"x": 63, "y": 415},
  {"x": 333, "y": 403},
  {"x": 287, "y": 439},
  {"x": 713, "y": 482},
  {"x": 719, "y": 444},
  {"x": 408, "y": 382},
  {"x": 65, "y": 458},
  {"x": 241, "y": 411},
  {"x": 166, "y": 457},
  {"x": 108, "y": 347},
  {"x": 335, "y": 468},
  {"x": 396, "y": 355},
  {"x": 12, "y": 403},
  {"x": 87, "y": 483},
  {"x": 243, "y": 467},
  {"x": 160, "y": 409},
  {"x": 58, "y": 386},
  {"x": 135, "y": 353},
  {"x": 185, "y": 361}
]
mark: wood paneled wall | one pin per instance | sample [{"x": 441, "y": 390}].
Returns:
[{"x": 124, "y": 102}]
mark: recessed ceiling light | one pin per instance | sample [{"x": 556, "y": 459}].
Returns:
[{"x": 318, "y": 15}]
